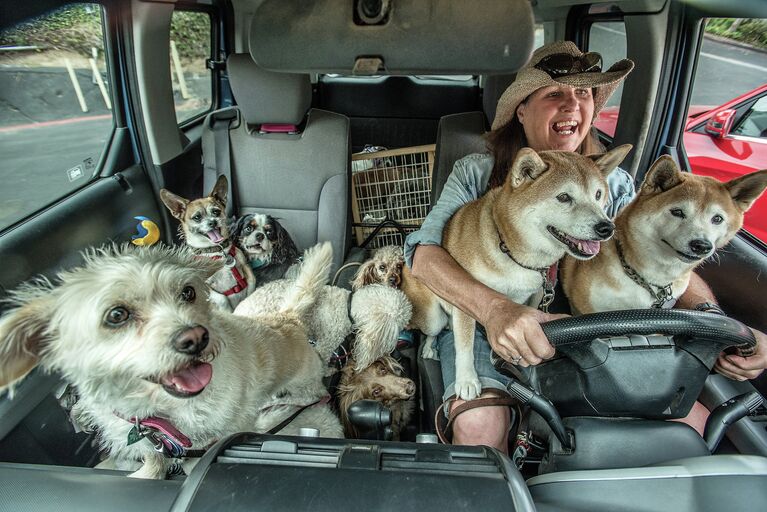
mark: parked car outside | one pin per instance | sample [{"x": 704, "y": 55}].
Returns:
[{"x": 723, "y": 142}]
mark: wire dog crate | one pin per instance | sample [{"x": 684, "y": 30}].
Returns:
[{"x": 390, "y": 188}]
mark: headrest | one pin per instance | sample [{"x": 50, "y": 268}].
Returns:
[
  {"x": 495, "y": 85},
  {"x": 265, "y": 96}
]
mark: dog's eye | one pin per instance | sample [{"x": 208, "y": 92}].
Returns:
[
  {"x": 377, "y": 391},
  {"x": 717, "y": 219},
  {"x": 677, "y": 212},
  {"x": 215, "y": 211},
  {"x": 382, "y": 268},
  {"x": 248, "y": 229},
  {"x": 197, "y": 217},
  {"x": 382, "y": 370},
  {"x": 117, "y": 316},
  {"x": 599, "y": 195},
  {"x": 188, "y": 294},
  {"x": 564, "y": 197}
]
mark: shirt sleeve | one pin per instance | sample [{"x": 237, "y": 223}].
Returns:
[
  {"x": 622, "y": 191},
  {"x": 461, "y": 187}
]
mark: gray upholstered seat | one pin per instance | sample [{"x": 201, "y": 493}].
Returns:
[
  {"x": 300, "y": 176},
  {"x": 714, "y": 482}
]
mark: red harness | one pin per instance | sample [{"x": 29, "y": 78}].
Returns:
[{"x": 242, "y": 284}]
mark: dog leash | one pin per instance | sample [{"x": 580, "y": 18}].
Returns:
[
  {"x": 489, "y": 401},
  {"x": 663, "y": 294},
  {"x": 549, "y": 275},
  {"x": 284, "y": 423}
]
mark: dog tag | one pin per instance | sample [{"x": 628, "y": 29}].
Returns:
[
  {"x": 134, "y": 436},
  {"x": 230, "y": 261}
]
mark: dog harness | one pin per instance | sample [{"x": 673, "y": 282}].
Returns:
[
  {"x": 549, "y": 275},
  {"x": 661, "y": 296},
  {"x": 231, "y": 262}
]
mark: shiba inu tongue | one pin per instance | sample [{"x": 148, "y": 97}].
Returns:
[
  {"x": 215, "y": 236},
  {"x": 191, "y": 379},
  {"x": 585, "y": 246}
]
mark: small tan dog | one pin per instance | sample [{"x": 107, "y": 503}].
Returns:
[
  {"x": 385, "y": 267},
  {"x": 204, "y": 228},
  {"x": 133, "y": 332},
  {"x": 381, "y": 381},
  {"x": 551, "y": 204},
  {"x": 676, "y": 221}
]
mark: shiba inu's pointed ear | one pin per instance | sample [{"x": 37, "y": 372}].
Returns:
[
  {"x": 22, "y": 333},
  {"x": 663, "y": 175},
  {"x": 527, "y": 165},
  {"x": 176, "y": 204},
  {"x": 607, "y": 162},
  {"x": 220, "y": 189},
  {"x": 747, "y": 189}
]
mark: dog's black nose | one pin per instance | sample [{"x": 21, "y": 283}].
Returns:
[
  {"x": 259, "y": 237},
  {"x": 191, "y": 340},
  {"x": 699, "y": 246},
  {"x": 604, "y": 229},
  {"x": 410, "y": 388}
]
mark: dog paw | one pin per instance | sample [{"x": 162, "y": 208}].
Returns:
[{"x": 467, "y": 389}]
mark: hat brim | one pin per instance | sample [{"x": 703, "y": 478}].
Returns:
[{"x": 531, "y": 79}]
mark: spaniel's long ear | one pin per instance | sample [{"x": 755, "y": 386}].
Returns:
[
  {"x": 285, "y": 250},
  {"x": 365, "y": 275},
  {"x": 23, "y": 331}
]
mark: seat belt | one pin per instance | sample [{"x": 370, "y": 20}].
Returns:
[{"x": 221, "y": 123}]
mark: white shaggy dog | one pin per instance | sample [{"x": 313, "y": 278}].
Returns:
[
  {"x": 133, "y": 331},
  {"x": 375, "y": 314}
]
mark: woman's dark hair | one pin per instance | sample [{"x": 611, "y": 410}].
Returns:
[{"x": 506, "y": 141}]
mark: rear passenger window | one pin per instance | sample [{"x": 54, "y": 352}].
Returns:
[
  {"x": 190, "y": 47},
  {"x": 609, "y": 39},
  {"x": 55, "y": 113}
]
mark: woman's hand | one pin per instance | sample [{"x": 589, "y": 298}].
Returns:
[
  {"x": 514, "y": 331},
  {"x": 743, "y": 368}
]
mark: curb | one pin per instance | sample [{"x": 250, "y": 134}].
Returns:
[{"x": 733, "y": 42}]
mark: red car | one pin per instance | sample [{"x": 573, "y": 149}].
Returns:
[{"x": 724, "y": 142}]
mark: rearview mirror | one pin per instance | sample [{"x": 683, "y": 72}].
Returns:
[{"x": 720, "y": 123}]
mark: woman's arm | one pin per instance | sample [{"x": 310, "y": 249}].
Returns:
[
  {"x": 512, "y": 329},
  {"x": 732, "y": 366}
]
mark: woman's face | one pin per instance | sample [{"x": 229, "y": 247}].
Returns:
[{"x": 557, "y": 117}]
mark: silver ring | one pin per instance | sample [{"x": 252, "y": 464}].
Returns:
[{"x": 516, "y": 360}]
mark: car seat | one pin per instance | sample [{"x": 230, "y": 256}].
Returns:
[{"x": 282, "y": 157}]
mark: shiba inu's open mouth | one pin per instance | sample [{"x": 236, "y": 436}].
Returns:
[
  {"x": 582, "y": 249},
  {"x": 187, "y": 381},
  {"x": 687, "y": 258}
]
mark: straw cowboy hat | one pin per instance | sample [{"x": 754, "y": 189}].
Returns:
[{"x": 561, "y": 63}]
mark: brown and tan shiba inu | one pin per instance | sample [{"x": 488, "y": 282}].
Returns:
[
  {"x": 676, "y": 221},
  {"x": 204, "y": 227},
  {"x": 551, "y": 204}
]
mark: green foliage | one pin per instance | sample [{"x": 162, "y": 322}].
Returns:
[
  {"x": 75, "y": 27},
  {"x": 191, "y": 32},
  {"x": 751, "y": 31}
]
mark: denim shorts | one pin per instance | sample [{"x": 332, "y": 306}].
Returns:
[{"x": 489, "y": 377}]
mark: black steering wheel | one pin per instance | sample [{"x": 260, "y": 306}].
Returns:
[
  {"x": 648, "y": 363},
  {"x": 695, "y": 325}
]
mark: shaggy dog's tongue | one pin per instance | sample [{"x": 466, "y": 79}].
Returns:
[
  {"x": 585, "y": 246},
  {"x": 191, "y": 379},
  {"x": 215, "y": 236}
]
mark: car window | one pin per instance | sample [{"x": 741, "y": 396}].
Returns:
[
  {"x": 55, "y": 113},
  {"x": 190, "y": 47},
  {"x": 609, "y": 39},
  {"x": 728, "y": 98},
  {"x": 754, "y": 122}
]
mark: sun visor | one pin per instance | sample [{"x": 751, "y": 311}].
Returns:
[{"x": 396, "y": 37}]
